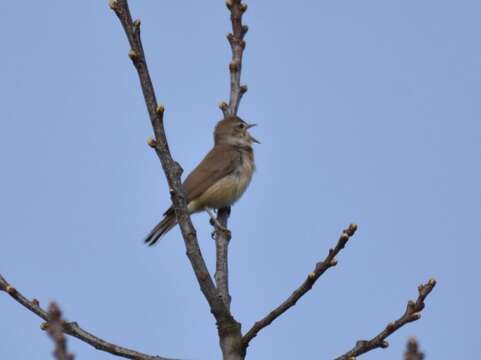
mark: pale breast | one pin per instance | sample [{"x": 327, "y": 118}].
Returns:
[
  {"x": 229, "y": 189},
  {"x": 244, "y": 173}
]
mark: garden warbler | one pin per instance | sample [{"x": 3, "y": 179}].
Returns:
[{"x": 221, "y": 177}]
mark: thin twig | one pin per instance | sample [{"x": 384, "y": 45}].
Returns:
[
  {"x": 73, "y": 329},
  {"x": 237, "y": 44},
  {"x": 222, "y": 239},
  {"x": 412, "y": 350},
  {"x": 55, "y": 331},
  {"x": 412, "y": 313},
  {"x": 171, "y": 168},
  {"x": 320, "y": 268}
]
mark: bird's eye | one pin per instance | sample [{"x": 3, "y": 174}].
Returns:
[{"x": 241, "y": 126}]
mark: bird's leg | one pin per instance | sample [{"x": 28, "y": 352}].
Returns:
[{"x": 214, "y": 222}]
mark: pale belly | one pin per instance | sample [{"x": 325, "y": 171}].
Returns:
[{"x": 226, "y": 191}]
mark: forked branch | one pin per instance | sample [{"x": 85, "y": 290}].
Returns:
[
  {"x": 412, "y": 313},
  {"x": 307, "y": 285},
  {"x": 171, "y": 168}
]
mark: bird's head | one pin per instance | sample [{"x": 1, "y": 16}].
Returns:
[{"x": 234, "y": 131}]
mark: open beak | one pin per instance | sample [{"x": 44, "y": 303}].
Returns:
[{"x": 252, "y": 138}]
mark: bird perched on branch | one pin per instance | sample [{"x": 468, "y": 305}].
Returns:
[{"x": 222, "y": 176}]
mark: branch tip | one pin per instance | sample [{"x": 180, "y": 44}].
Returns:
[
  {"x": 228, "y": 3},
  {"x": 151, "y": 142},
  {"x": 243, "y": 89},
  {"x": 136, "y": 24},
  {"x": 321, "y": 267},
  {"x": 243, "y": 7},
  {"x": 223, "y": 106},
  {"x": 351, "y": 230},
  {"x": 56, "y": 332},
  {"x": 412, "y": 313},
  {"x": 113, "y": 4},
  {"x": 133, "y": 55},
  {"x": 412, "y": 350}
]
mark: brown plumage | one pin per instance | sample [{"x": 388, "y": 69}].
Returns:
[{"x": 221, "y": 177}]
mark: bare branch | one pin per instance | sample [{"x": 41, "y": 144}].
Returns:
[
  {"x": 55, "y": 331},
  {"x": 237, "y": 43},
  {"x": 171, "y": 168},
  {"x": 412, "y": 350},
  {"x": 320, "y": 268},
  {"x": 73, "y": 329},
  {"x": 412, "y": 313},
  {"x": 222, "y": 239}
]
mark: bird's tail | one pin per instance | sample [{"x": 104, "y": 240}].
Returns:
[{"x": 167, "y": 223}]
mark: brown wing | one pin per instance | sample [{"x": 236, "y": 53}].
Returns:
[{"x": 219, "y": 162}]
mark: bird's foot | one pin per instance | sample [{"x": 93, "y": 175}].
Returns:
[{"x": 217, "y": 225}]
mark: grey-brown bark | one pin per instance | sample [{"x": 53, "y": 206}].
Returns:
[
  {"x": 412, "y": 350},
  {"x": 55, "y": 331},
  {"x": 307, "y": 285},
  {"x": 216, "y": 291},
  {"x": 216, "y": 296},
  {"x": 73, "y": 329},
  {"x": 230, "y": 337},
  {"x": 412, "y": 313}
]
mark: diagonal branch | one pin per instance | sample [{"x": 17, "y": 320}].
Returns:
[
  {"x": 321, "y": 267},
  {"x": 237, "y": 44},
  {"x": 171, "y": 168},
  {"x": 73, "y": 329},
  {"x": 412, "y": 313}
]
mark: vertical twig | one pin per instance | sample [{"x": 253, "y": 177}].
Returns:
[
  {"x": 412, "y": 350},
  {"x": 237, "y": 44},
  {"x": 222, "y": 239},
  {"x": 55, "y": 331}
]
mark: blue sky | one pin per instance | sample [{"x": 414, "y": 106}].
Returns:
[{"x": 368, "y": 112}]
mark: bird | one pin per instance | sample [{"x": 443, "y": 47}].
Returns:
[{"x": 221, "y": 177}]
